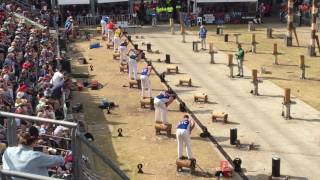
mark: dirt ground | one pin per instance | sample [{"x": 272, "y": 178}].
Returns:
[
  {"x": 285, "y": 75},
  {"x": 139, "y": 144}
]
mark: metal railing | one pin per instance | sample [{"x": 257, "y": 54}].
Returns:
[
  {"x": 95, "y": 20},
  {"x": 88, "y": 161},
  {"x": 6, "y": 175}
]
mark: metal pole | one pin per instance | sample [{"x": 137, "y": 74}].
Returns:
[
  {"x": 76, "y": 154},
  {"x": 12, "y": 132}
]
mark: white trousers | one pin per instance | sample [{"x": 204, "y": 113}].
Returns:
[
  {"x": 145, "y": 86},
  {"x": 116, "y": 43},
  {"x": 123, "y": 54},
  {"x": 154, "y": 21},
  {"x": 103, "y": 29},
  {"x": 160, "y": 111},
  {"x": 132, "y": 69},
  {"x": 183, "y": 137},
  {"x": 110, "y": 35},
  {"x": 203, "y": 43}
]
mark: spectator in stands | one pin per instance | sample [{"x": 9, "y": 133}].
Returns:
[{"x": 23, "y": 158}]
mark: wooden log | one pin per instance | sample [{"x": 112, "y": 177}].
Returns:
[
  {"x": 133, "y": 83},
  {"x": 172, "y": 68},
  {"x": 200, "y": 97},
  {"x": 210, "y": 47},
  {"x": 275, "y": 49},
  {"x": 186, "y": 163},
  {"x": 253, "y": 38},
  {"x": 254, "y": 75},
  {"x": 109, "y": 46},
  {"x": 220, "y": 115},
  {"x": 116, "y": 56},
  {"x": 287, "y": 95},
  {"x": 230, "y": 59},
  {"x": 123, "y": 68},
  {"x": 147, "y": 102},
  {"x": 159, "y": 126},
  {"x": 183, "y": 81},
  {"x": 301, "y": 62}
]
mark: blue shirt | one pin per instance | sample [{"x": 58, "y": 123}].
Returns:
[
  {"x": 184, "y": 124},
  {"x": 163, "y": 97},
  {"x": 145, "y": 71},
  {"x": 203, "y": 32},
  {"x": 23, "y": 159}
]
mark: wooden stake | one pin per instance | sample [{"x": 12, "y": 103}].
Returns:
[
  {"x": 254, "y": 75},
  {"x": 302, "y": 67},
  {"x": 210, "y": 47},
  {"x": 275, "y": 49},
  {"x": 287, "y": 95}
]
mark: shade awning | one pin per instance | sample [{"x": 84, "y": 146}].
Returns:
[
  {"x": 73, "y": 2},
  {"x": 111, "y": 1},
  {"x": 223, "y": 1}
]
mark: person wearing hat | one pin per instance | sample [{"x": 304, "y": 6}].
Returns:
[
  {"x": 145, "y": 81},
  {"x": 161, "y": 102},
  {"x": 123, "y": 50},
  {"x": 133, "y": 65}
]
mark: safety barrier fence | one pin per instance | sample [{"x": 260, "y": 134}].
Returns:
[
  {"x": 88, "y": 161},
  {"x": 95, "y": 20}
]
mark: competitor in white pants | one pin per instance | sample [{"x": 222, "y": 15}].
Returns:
[
  {"x": 117, "y": 39},
  {"x": 183, "y": 132},
  {"x": 123, "y": 50},
  {"x": 161, "y": 102},
  {"x": 133, "y": 66},
  {"x": 145, "y": 81}
]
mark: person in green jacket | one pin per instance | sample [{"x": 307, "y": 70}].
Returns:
[{"x": 240, "y": 57}]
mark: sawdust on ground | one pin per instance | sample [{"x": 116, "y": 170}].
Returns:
[{"x": 139, "y": 144}]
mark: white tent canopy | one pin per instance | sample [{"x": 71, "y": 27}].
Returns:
[
  {"x": 111, "y": 1},
  {"x": 73, "y": 2},
  {"x": 223, "y": 1}
]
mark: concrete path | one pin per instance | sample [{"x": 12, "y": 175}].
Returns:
[{"x": 258, "y": 119}]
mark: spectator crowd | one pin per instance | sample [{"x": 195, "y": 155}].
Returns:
[{"x": 33, "y": 83}]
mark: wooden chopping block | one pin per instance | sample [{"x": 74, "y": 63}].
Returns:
[
  {"x": 172, "y": 68},
  {"x": 136, "y": 83},
  {"x": 159, "y": 126},
  {"x": 185, "y": 81},
  {"x": 201, "y": 97},
  {"x": 123, "y": 67},
  {"x": 109, "y": 46},
  {"x": 116, "y": 56},
  {"x": 187, "y": 163},
  {"x": 147, "y": 102},
  {"x": 220, "y": 115}
]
